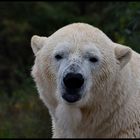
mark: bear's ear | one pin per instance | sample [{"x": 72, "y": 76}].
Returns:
[
  {"x": 37, "y": 43},
  {"x": 123, "y": 54}
]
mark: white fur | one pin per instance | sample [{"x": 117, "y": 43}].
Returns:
[{"x": 110, "y": 103}]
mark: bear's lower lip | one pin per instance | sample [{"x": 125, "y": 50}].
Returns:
[{"x": 71, "y": 98}]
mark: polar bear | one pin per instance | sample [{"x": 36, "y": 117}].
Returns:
[{"x": 90, "y": 85}]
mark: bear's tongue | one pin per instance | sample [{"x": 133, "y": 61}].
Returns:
[{"x": 71, "y": 97}]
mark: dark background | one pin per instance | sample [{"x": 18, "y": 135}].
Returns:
[{"x": 22, "y": 113}]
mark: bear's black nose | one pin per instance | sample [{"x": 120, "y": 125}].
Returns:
[{"x": 73, "y": 80}]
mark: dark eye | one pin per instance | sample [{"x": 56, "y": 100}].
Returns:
[
  {"x": 58, "y": 57},
  {"x": 93, "y": 59}
]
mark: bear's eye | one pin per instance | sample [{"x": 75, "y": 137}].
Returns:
[
  {"x": 93, "y": 59},
  {"x": 58, "y": 57}
]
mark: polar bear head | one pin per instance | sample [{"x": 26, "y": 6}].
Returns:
[{"x": 77, "y": 65}]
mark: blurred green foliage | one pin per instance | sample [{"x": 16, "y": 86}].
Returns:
[{"x": 22, "y": 114}]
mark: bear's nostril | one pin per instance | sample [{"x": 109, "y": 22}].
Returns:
[{"x": 73, "y": 80}]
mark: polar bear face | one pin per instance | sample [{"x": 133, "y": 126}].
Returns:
[
  {"x": 74, "y": 67},
  {"x": 77, "y": 65}
]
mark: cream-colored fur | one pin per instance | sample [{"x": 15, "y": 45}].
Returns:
[{"x": 110, "y": 107}]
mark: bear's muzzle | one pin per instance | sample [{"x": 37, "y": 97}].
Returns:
[{"x": 73, "y": 83}]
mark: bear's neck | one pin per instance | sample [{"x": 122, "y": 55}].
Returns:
[{"x": 102, "y": 115}]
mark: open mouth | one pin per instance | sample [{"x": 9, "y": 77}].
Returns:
[
  {"x": 71, "y": 98},
  {"x": 73, "y": 83}
]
